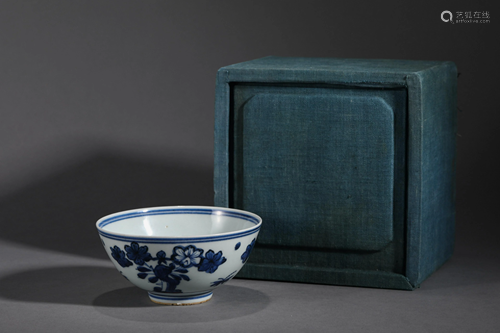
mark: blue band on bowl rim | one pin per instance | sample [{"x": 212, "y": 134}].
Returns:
[{"x": 179, "y": 210}]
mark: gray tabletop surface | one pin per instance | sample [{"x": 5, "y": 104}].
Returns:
[{"x": 44, "y": 290}]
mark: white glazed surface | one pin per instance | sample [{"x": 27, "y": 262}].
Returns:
[{"x": 179, "y": 254}]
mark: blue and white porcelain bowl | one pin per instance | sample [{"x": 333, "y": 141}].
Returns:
[{"x": 179, "y": 254}]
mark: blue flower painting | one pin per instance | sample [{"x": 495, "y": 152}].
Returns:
[
  {"x": 138, "y": 254},
  {"x": 246, "y": 254},
  {"x": 211, "y": 262},
  {"x": 168, "y": 272},
  {"x": 119, "y": 256},
  {"x": 187, "y": 256}
]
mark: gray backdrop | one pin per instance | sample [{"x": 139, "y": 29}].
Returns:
[{"x": 109, "y": 105}]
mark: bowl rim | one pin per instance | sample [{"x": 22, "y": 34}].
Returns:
[{"x": 164, "y": 210}]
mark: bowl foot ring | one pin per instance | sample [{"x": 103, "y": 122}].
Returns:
[{"x": 169, "y": 299}]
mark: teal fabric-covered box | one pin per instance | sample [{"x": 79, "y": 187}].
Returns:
[{"x": 350, "y": 163}]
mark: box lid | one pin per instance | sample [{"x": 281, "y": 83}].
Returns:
[{"x": 328, "y": 70}]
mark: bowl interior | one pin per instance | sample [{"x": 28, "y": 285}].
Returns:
[{"x": 177, "y": 223}]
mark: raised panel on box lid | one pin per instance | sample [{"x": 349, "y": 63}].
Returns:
[{"x": 320, "y": 164}]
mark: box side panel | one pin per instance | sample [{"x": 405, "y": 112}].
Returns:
[
  {"x": 431, "y": 169},
  {"x": 414, "y": 179},
  {"x": 221, "y": 139},
  {"x": 439, "y": 128}
]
